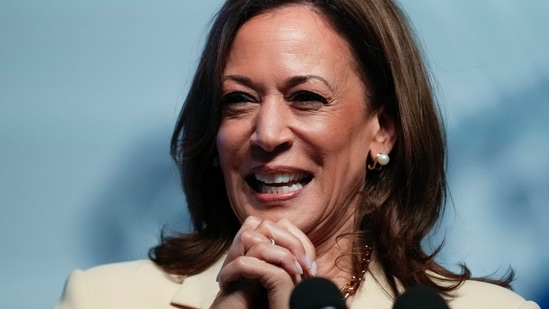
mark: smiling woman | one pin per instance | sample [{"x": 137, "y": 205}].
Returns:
[
  {"x": 282, "y": 113},
  {"x": 309, "y": 145}
]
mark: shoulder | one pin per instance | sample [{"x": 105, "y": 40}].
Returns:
[
  {"x": 133, "y": 271},
  {"x": 136, "y": 284},
  {"x": 478, "y": 294}
]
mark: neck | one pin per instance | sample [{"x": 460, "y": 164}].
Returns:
[
  {"x": 334, "y": 254},
  {"x": 336, "y": 263},
  {"x": 335, "y": 243}
]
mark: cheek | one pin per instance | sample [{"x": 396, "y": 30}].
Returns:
[
  {"x": 345, "y": 135},
  {"x": 347, "y": 149},
  {"x": 221, "y": 141},
  {"x": 223, "y": 144},
  {"x": 230, "y": 141},
  {"x": 226, "y": 139}
]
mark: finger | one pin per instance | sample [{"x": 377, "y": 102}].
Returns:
[
  {"x": 255, "y": 231},
  {"x": 287, "y": 235},
  {"x": 276, "y": 255},
  {"x": 309, "y": 261},
  {"x": 257, "y": 245},
  {"x": 251, "y": 268},
  {"x": 238, "y": 248},
  {"x": 247, "y": 270}
]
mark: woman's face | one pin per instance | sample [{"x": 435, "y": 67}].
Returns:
[{"x": 295, "y": 130}]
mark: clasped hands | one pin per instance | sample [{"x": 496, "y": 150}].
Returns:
[{"x": 265, "y": 262}]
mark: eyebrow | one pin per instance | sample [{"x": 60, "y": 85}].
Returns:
[
  {"x": 246, "y": 81},
  {"x": 300, "y": 79},
  {"x": 293, "y": 81}
]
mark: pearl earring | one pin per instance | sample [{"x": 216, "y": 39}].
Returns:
[{"x": 381, "y": 160}]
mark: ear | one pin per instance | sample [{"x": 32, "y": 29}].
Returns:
[{"x": 385, "y": 136}]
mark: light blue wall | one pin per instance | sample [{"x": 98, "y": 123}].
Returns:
[{"x": 90, "y": 90}]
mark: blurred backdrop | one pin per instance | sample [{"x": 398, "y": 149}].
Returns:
[{"x": 90, "y": 91}]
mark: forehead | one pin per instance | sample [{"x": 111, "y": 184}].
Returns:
[
  {"x": 297, "y": 31},
  {"x": 291, "y": 21}
]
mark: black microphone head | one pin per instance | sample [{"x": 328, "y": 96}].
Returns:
[
  {"x": 420, "y": 297},
  {"x": 316, "y": 293}
]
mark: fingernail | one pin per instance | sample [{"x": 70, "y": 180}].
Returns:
[
  {"x": 309, "y": 261},
  {"x": 311, "y": 264},
  {"x": 299, "y": 268}
]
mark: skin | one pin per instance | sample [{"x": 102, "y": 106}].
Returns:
[{"x": 293, "y": 104}]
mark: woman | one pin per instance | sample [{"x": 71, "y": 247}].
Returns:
[{"x": 309, "y": 145}]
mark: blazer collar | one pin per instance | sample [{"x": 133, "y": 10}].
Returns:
[
  {"x": 199, "y": 291},
  {"x": 375, "y": 291}
]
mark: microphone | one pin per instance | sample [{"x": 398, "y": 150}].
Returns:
[
  {"x": 420, "y": 297},
  {"x": 316, "y": 293}
]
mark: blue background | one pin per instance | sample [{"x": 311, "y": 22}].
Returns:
[{"x": 90, "y": 91}]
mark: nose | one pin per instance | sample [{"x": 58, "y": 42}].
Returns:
[{"x": 272, "y": 131}]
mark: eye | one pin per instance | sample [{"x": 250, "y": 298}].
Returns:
[
  {"x": 237, "y": 97},
  {"x": 308, "y": 97}
]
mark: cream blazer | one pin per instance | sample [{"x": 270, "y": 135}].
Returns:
[{"x": 142, "y": 285}]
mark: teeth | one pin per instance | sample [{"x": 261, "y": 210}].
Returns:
[
  {"x": 282, "y": 178},
  {"x": 264, "y": 178},
  {"x": 278, "y": 178},
  {"x": 279, "y": 183},
  {"x": 281, "y": 189}
]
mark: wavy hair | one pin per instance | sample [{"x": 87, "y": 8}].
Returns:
[{"x": 401, "y": 203}]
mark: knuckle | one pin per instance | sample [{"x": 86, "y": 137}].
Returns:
[
  {"x": 240, "y": 262},
  {"x": 265, "y": 224},
  {"x": 284, "y": 222},
  {"x": 246, "y": 236},
  {"x": 251, "y": 221}
]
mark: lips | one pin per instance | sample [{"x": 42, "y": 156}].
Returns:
[{"x": 278, "y": 183}]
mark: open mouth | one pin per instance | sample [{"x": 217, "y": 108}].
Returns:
[{"x": 278, "y": 183}]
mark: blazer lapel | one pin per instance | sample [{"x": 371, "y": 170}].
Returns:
[
  {"x": 199, "y": 291},
  {"x": 374, "y": 292}
]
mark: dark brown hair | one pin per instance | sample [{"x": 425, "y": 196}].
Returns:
[{"x": 401, "y": 203}]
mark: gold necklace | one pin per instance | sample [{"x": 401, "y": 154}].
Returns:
[{"x": 351, "y": 287}]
